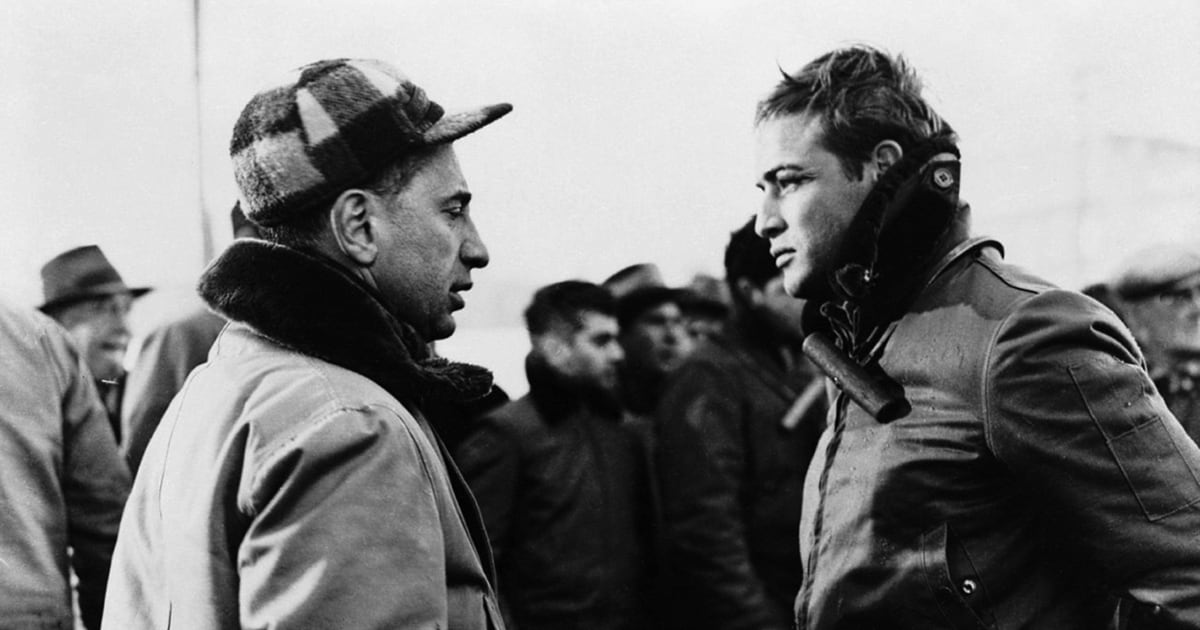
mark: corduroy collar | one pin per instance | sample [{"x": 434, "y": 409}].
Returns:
[{"x": 308, "y": 303}]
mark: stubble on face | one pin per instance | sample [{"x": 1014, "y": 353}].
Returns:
[
  {"x": 808, "y": 201},
  {"x": 428, "y": 247}
]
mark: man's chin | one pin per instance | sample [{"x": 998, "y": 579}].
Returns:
[{"x": 443, "y": 328}]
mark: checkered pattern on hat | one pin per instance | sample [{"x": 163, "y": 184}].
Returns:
[{"x": 334, "y": 125}]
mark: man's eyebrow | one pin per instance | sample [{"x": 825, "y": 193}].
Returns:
[
  {"x": 773, "y": 174},
  {"x": 462, "y": 196}
]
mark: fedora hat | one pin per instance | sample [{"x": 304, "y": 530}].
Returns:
[
  {"x": 639, "y": 288},
  {"x": 81, "y": 274}
]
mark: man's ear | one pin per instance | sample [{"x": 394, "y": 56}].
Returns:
[
  {"x": 553, "y": 349},
  {"x": 885, "y": 155},
  {"x": 350, "y": 223}
]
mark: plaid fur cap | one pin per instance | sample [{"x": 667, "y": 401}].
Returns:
[{"x": 333, "y": 125}]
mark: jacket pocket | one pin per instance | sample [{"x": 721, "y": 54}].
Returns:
[
  {"x": 1146, "y": 446},
  {"x": 953, "y": 580}
]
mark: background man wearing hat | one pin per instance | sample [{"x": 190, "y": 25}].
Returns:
[
  {"x": 653, "y": 333},
  {"x": 83, "y": 292},
  {"x": 1159, "y": 293},
  {"x": 737, "y": 426},
  {"x": 294, "y": 482}
]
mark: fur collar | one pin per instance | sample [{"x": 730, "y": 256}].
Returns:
[{"x": 308, "y": 303}]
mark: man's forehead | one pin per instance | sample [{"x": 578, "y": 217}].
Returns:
[
  {"x": 784, "y": 139},
  {"x": 592, "y": 322},
  {"x": 439, "y": 175}
]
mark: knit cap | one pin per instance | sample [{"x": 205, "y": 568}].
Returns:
[{"x": 333, "y": 125}]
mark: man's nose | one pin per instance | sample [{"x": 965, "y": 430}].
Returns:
[
  {"x": 767, "y": 222},
  {"x": 474, "y": 253}
]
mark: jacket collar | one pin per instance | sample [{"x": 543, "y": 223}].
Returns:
[
  {"x": 310, "y": 304},
  {"x": 903, "y": 234},
  {"x": 557, "y": 397}
]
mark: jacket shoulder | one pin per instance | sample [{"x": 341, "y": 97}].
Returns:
[
  {"x": 519, "y": 416},
  {"x": 280, "y": 392}
]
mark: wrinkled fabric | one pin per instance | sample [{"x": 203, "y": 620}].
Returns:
[
  {"x": 62, "y": 482},
  {"x": 1038, "y": 478},
  {"x": 731, "y": 481}
]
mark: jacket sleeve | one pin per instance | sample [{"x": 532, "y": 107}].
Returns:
[
  {"x": 1070, "y": 410},
  {"x": 344, "y": 528},
  {"x": 95, "y": 479},
  {"x": 701, "y": 461}
]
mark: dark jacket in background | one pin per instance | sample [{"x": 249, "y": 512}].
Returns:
[
  {"x": 62, "y": 482},
  {"x": 167, "y": 356},
  {"x": 731, "y": 478},
  {"x": 562, "y": 488}
]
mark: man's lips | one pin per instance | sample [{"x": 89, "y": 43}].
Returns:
[
  {"x": 782, "y": 256},
  {"x": 456, "y": 300}
]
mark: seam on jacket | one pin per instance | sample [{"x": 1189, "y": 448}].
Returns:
[
  {"x": 986, "y": 376},
  {"x": 174, "y": 423}
]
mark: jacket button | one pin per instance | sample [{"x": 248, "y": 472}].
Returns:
[{"x": 968, "y": 587}]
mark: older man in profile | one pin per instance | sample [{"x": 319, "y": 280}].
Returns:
[
  {"x": 83, "y": 292},
  {"x": 294, "y": 482}
]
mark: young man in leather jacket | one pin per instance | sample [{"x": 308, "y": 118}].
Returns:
[{"x": 1033, "y": 477}]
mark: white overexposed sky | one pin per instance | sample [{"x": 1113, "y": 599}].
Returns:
[{"x": 630, "y": 140}]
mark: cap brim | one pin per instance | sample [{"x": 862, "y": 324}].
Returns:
[
  {"x": 454, "y": 126},
  {"x": 103, "y": 291},
  {"x": 644, "y": 298}
]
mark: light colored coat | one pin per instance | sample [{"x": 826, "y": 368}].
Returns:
[
  {"x": 283, "y": 491},
  {"x": 62, "y": 481}
]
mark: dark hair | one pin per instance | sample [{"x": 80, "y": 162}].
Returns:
[
  {"x": 748, "y": 256},
  {"x": 304, "y": 231},
  {"x": 863, "y": 97},
  {"x": 562, "y": 305}
]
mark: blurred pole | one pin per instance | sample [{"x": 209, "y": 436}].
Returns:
[
  {"x": 1082, "y": 80},
  {"x": 206, "y": 236}
]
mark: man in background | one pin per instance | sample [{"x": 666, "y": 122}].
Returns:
[
  {"x": 168, "y": 354},
  {"x": 653, "y": 334},
  {"x": 559, "y": 477},
  {"x": 83, "y": 292},
  {"x": 737, "y": 426},
  {"x": 63, "y": 482},
  {"x": 1159, "y": 295}
]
